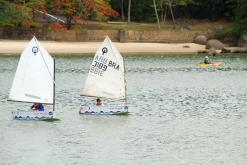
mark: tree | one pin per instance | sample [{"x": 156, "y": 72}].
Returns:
[
  {"x": 241, "y": 17},
  {"x": 99, "y": 10},
  {"x": 67, "y": 8},
  {"x": 122, "y": 10},
  {"x": 14, "y": 14},
  {"x": 129, "y": 8},
  {"x": 156, "y": 13}
]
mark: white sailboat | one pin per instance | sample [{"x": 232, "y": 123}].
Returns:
[
  {"x": 34, "y": 82},
  {"x": 106, "y": 79}
]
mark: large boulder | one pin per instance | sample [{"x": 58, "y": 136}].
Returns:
[
  {"x": 216, "y": 44},
  {"x": 200, "y": 39},
  {"x": 212, "y": 51},
  {"x": 242, "y": 42},
  {"x": 234, "y": 50}
]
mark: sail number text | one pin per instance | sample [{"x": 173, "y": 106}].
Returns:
[
  {"x": 100, "y": 65},
  {"x": 98, "y": 68}
]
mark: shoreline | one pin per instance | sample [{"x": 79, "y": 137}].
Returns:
[{"x": 15, "y": 47}]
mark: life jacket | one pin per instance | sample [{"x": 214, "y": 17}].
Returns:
[{"x": 39, "y": 107}]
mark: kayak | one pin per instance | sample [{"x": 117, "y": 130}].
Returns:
[{"x": 210, "y": 65}]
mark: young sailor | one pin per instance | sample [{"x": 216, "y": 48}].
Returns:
[
  {"x": 98, "y": 102},
  {"x": 37, "y": 107}
]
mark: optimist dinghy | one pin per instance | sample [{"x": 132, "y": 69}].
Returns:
[
  {"x": 34, "y": 82},
  {"x": 106, "y": 79}
]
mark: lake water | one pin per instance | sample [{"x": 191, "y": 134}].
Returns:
[{"x": 181, "y": 114}]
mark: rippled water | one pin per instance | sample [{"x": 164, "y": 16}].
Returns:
[{"x": 180, "y": 114}]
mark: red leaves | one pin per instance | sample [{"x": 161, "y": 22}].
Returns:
[
  {"x": 65, "y": 1},
  {"x": 104, "y": 7},
  {"x": 26, "y": 23},
  {"x": 57, "y": 26}
]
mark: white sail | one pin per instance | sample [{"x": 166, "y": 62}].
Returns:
[
  {"x": 106, "y": 74},
  {"x": 34, "y": 77}
]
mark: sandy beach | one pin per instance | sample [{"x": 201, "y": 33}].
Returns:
[{"x": 8, "y": 47}]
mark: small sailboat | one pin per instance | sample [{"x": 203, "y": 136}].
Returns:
[
  {"x": 34, "y": 82},
  {"x": 106, "y": 79}
]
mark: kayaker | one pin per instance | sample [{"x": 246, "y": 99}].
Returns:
[{"x": 207, "y": 60}]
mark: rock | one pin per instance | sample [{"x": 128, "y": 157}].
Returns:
[
  {"x": 240, "y": 50},
  {"x": 214, "y": 44},
  {"x": 201, "y": 39},
  {"x": 242, "y": 42},
  {"x": 226, "y": 50},
  {"x": 202, "y": 51},
  {"x": 230, "y": 41},
  {"x": 212, "y": 51},
  {"x": 186, "y": 46},
  {"x": 234, "y": 50}
]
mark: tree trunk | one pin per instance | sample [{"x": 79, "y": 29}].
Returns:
[
  {"x": 68, "y": 21},
  {"x": 164, "y": 19},
  {"x": 162, "y": 11},
  {"x": 129, "y": 7},
  {"x": 156, "y": 13},
  {"x": 81, "y": 8},
  {"x": 122, "y": 10},
  {"x": 170, "y": 7}
]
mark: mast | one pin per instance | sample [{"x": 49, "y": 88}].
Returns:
[
  {"x": 54, "y": 71},
  {"x": 125, "y": 86}
]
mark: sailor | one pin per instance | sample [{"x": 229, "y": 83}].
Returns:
[{"x": 38, "y": 107}]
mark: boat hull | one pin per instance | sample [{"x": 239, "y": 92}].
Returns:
[
  {"x": 103, "y": 110},
  {"x": 32, "y": 115},
  {"x": 210, "y": 65}
]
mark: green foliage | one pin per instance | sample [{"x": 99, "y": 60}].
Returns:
[
  {"x": 180, "y": 2},
  {"x": 241, "y": 17},
  {"x": 23, "y": 13},
  {"x": 142, "y": 10},
  {"x": 13, "y": 15},
  {"x": 99, "y": 10}
]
